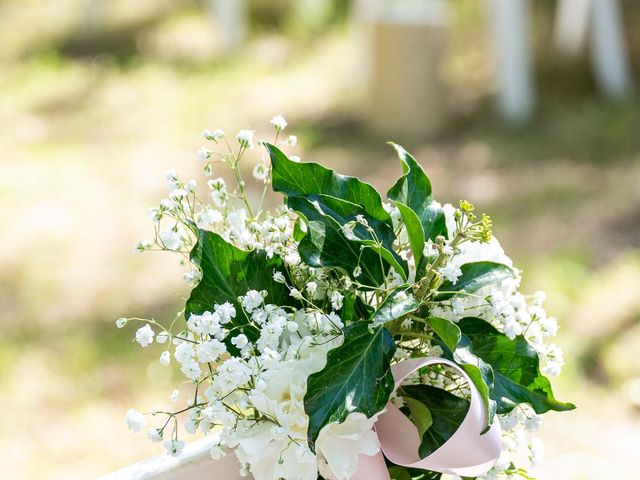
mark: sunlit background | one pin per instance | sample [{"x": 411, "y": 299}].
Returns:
[{"x": 99, "y": 97}]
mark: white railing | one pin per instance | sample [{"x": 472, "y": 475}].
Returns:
[{"x": 194, "y": 463}]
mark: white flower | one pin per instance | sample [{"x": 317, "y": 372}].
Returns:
[
  {"x": 512, "y": 328},
  {"x": 121, "y": 322},
  {"x": 165, "y": 358},
  {"x": 245, "y": 138},
  {"x": 135, "y": 420},
  {"x": 215, "y": 135},
  {"x": 336, "y": 300},
  {"x": 174, "y": 395},
  {"x": 143, "y": 245},
  {"x": 279, "y": 122},
  {"x": 174, "y": 447},
  {"x": 295, "y": 293},
  {"x": 260, "y": 172},
  {"x": 278, "y": 277},
  {"x": 155, "y": 435},
  {"x": 208, "y": 217},
  {"x": 451, "y": 272},
  {"x": 210, "y": 350},
  {"x": 191, "y": 370},
  {"x": 171, "y": 175},
  {"x": 217, "y": 452},
  {"x": 252, "y": 300},
  {"x": 240, "y": 341},
  {"x": 341, "y": 443},
  {"x": 171, "y": 239},
  {"x": 162, "y": 337},
  {"x": 226, "y": 311},
  {"x": 312, "y": 288},
  {"x": 184, "y": 353},
  {"x": 292, "y": 140},
  {"x": 144, "y": 335},
  {"x": 204, "y": 153}
]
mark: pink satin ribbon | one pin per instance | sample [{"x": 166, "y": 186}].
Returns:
[{"x": 468, "y": 453}]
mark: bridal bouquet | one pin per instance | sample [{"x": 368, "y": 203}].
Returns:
[{"x": 344, "y": 335}]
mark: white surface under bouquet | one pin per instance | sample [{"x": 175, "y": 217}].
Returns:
[{"x": 300, "y": 320}]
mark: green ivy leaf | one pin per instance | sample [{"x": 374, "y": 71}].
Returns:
[
  {"x": 516, "y": 368},
  {"x": 413, "y": 189},
  {"x": 357, "y": 378},
  {"x": 325, "y": 245},
  {"x": 474, "y": 276},
  {"x": 398, "y": 303},
  {"x": 228, "y": 272},
  {"x": 301, "y": 179},
  {"x": 448, "y": 331},
  {"x": 447, "y": 412},
  {"x": 415, "y": 232},
  {"x": 420, "y": 415}
]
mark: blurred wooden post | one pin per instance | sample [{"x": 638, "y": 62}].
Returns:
[
  {"x": 515, "y": 85},
  {"x": 608, "y": 49},
  {"x": 230, "y": 16},
  {"x": 408, "y": 94}
]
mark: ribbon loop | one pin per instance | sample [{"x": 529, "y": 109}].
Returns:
[{"x": 468, "y": 453}]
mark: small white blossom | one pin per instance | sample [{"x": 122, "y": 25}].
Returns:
[
  {"x": 260, "y": 172},
  {"x": 121, "y": 322},
  {"x": 165, "y": 358},
  {"x": 245, "y": 138},
  {"x": 155, "y": 435},
  {"x": 279, "y": 122},
  {"x": 451, "y": 272},
  {"x": 162, "y": 337},
  {"x": 336, "y": 300},
  {"x": 144, "y": 335},
  {"x": 204, "y": 153},
  {"x": 213, "y": 136},
  {"x": 174, "y": 447},
  {"x": 278, "y": 277},
  {"x": 171, "y": 239},
  {"x": 252, "y": 300},
  {"x": 135, "y": 420}
]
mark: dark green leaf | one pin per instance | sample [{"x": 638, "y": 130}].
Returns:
[
  {"x": 228, "y": 272},
  {"x": 516, "y": 368},
  {"x": 325, "y": 245},
  {"x": 420, "y": 415},
  {"x": 447, "y": 411},
  {"x": 301, "y": 179},
  {"x": 399, "y": 473},
  {"x": 354, "y": 308},
  {"x": 398, "y": 303},
  {"x": 413, "y": 189},
  {"x": 475, "y": 276},
  {"x": 357, "y": 378},
  {"x": 448, "y": 331}
]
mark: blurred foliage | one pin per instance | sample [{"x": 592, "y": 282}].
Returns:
[{"x": 91, "y": 119}]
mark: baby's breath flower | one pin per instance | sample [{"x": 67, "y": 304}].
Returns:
[
  {"x": 144, "y": 336},
  {"x": 165, "y": 358},
  {"x": 171, "y": 239},
  {"x": 278, "y": 277},
  {"x": 279, "y": 123},
  {"x": 260, "y": 172},
  {"x": 212, "y": 136},
  {"x": 245, "y": 138},
  {"x": 135, "y": 420},
  {"x": 204, "y": 153}
]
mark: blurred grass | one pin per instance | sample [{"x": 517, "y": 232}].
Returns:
[{"x": 87, "y": 135}]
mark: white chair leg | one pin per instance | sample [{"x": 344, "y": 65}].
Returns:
[
  {"x": 608, "y": 49},
  {"x": 510, "y": 31}
]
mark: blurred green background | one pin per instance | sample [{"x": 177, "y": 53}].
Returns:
[{"x": 94, "y": 109}]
